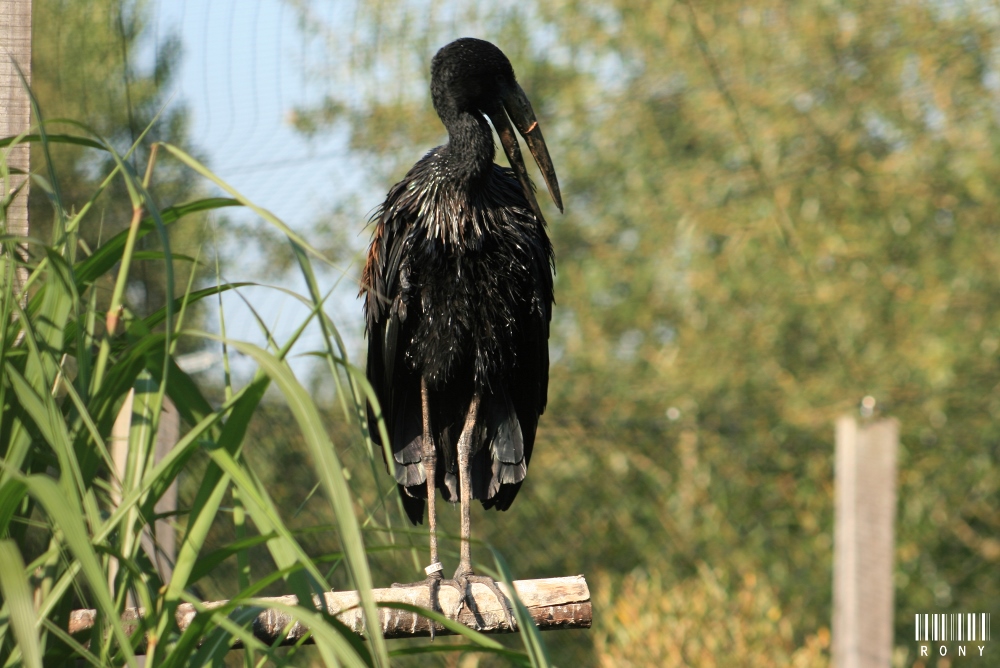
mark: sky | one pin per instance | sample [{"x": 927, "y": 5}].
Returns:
[{"x": 245, "y": 67}]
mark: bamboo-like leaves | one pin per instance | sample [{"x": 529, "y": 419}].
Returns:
[{"x": 17, "y": 597}]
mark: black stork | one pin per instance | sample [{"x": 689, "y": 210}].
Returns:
[{"x": 458, "y": 299}]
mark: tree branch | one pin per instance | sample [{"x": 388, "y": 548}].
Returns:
[{"x": 553, "y": 603}]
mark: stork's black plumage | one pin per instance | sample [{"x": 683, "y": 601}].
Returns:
[{"x": 458, "y": 298}]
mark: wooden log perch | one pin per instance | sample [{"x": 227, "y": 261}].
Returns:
[{"x": 553, "y": 603}]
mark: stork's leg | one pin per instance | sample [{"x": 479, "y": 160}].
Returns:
[
  {"x": 428, "y": 456},
  {"x": 465, "y": 576},
  {"x": 465, "y": 485}
]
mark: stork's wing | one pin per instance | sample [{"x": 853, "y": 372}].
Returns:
[
  {"x": 395, "y": 384},
  {"x": 513, "y": 411}
]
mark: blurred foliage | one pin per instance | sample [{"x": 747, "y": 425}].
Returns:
[
  {"x": 702, "y": 622},
  {"x": 84, "y": 57},
  {"x": 773, "y": 210}
]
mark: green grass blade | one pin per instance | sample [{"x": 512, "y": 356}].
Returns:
[
  {"x": 110, "y": 252},
  {"x": 14, "y": 586},
  {"x": 331, "y": 475},
  {"x": 284, "y": 548},
  {"x": 158, "y": 316},
  {"x": 456, "y": 627},
  {"x": 331, "y": 642},
  {"x": 526, "y": 625},
  {"x": 54, "y": 139},
  {"x": 66, "y": 513},
  {"x": 11, "y": 494},
  {"x": 210, "y": 561},
  {"x": 198, "y": 167},
  {"x": 71, "y": 642}
]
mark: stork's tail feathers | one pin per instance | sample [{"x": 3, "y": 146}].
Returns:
[
  {"x": 499, "y": 469},
  {"x": 498, "y": 462}
]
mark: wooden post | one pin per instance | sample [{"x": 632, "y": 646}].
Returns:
[
  {"x": 164, "y": 542},
  {"x": 553, "y": 603},
  {"x": 865, "y": 504},
  {"x": 159, "y": 544},
  {"x": 118, "y": 446},
  {"x": 15, "y": 111}
]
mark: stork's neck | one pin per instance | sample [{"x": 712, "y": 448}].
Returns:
[{"x": 470, "y": 149}]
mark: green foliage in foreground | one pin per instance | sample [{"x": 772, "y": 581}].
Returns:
[
  {"x": 84, "y": 67},
  {"x": 71, "y": 529}
]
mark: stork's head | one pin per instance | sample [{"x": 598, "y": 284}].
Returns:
[{"x": 473, "y": 76}]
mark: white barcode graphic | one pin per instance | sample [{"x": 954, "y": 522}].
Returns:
[{"x": 953, "y": 627}]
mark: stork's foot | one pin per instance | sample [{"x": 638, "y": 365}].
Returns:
[
  {"x": 433, "y": 584},
  {"x": 464, "y": 577}
]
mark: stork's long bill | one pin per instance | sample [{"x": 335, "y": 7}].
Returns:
[{"x": 516, "y": 105}]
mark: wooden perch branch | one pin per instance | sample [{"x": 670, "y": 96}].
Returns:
[{"x": 553, "y": 603}]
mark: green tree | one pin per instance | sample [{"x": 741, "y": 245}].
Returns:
[
  {"x": 84, "y": 69},
  {"x": 773, "y": 210}
]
